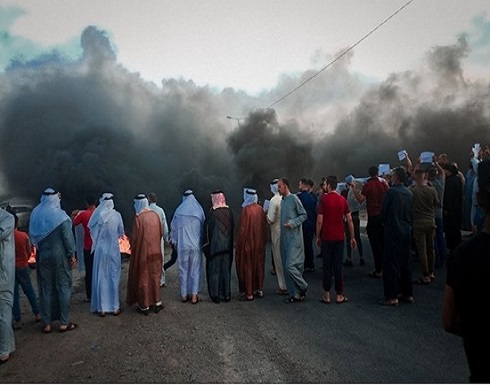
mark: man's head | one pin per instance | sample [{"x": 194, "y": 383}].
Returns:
[
  {"x": 311, "y": 184},
  {"x": 483, "y": 194},
  {"x": 419, "y": 176},
  {"x": 303, "y": 184},
  {"x": 90, "y": 200},
  {"x": 431, "y": 173},
  {"x": 283, "y": 186},
  {"x": 331, "y": 183},
  {"x": 373, "y": 171},
  {"x": 442, "y": 159},
  {"x": 450, "y": 169},
  {"x": 152, "y": 197},
  {"x": 398, "y": 175}
]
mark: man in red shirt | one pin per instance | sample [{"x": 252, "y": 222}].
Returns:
[
  {"x": 23, "y": 251},
  {"x": 330, "y": 235},
  {"x": 82, "y": 217},
  {"x": 373, "y": 193}
]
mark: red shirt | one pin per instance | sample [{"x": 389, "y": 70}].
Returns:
[
  {"x": 83, "y": 217},
  {"x": 333, "y": 207},
  {"x": 374, "y": 191},
  {"x": 23, "y": 249}
]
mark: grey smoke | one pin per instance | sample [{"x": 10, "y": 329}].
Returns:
[{"x": 92, "y": 126}]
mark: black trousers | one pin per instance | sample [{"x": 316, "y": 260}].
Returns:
[
  {"x": 375, "y": 232},
  {"x": 88, "y": 258}
]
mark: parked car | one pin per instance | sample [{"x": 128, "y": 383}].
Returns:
[{"x": 22, "y": 208}]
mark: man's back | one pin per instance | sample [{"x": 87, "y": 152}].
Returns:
[
  {"x": 83, "y": 218},
  {"x": 374, "y": 191},
  {"x": 147, "y": 233}
]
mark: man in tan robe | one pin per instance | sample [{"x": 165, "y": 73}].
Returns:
[
  {"x": 250, "y": 248},
  {"x": 145, "y": 267}
]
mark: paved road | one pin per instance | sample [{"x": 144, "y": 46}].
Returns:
[{"x": 264, "y": 341}]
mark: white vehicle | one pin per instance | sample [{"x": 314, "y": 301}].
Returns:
[{"x": 22, "y": 208}]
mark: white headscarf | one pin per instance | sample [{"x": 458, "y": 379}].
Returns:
[
  {"x": 140, "y": 203},
  {"x": 100, "y": 216},
  {"x": 46, "y": 216},
  {"x": 249, "y": 196},
  {"x": 188, "y": 209},
  {"x": 274, "y": 185}
]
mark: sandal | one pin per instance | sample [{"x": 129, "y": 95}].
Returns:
[
  {"x": 281, "y": 291},
  {"x": 259, "y": 294},
  {"x": 47, "y": 329},
  {"x": 245, "y": 298},
  {"x": 294, "y": 299},
  {"x": 343, "y": 300},
  {"x": 323, "y": 300},
  {"x": 144, "y": 311},
  {"x": 117, "y": 312},
  {"x": 386, "y": 302},
  {"x": 69, "y": 327}
]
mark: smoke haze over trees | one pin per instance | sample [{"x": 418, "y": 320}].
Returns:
[{"x": 91, "y": 126}]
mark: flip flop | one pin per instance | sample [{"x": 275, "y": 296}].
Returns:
[
  {"x": 281, "y": 291},
  {"x": 343, "y": 300},
  {"x": 294, "y": 299},
  {"x": 323, "y": 300},
  {"x": 117, "y": 312},
  {"x": 245, "y": 298},
  {"x": 69, "y": 327},
  {"x": 385, "y": 302}
]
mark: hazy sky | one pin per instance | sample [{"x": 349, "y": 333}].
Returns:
[{"x": 248, "y": 45}]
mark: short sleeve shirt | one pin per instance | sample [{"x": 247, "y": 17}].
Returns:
[{"x": 333, "y": 207}]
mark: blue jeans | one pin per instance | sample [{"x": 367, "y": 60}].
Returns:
[{"x": 23, "y": 278}]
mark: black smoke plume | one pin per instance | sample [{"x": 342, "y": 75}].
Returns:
[{"x": 91, "y": 126}]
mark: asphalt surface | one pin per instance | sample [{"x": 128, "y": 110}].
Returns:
[{"x": 262, "y": 341}]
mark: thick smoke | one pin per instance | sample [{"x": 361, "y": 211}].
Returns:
[
  {"x": 434, "y": 109},
  {"x": 91, "y": 126},
  {"x": 263, "y": 150}
]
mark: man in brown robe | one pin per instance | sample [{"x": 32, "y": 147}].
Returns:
[
  {"x": 250, "y": 248},
  {"x": 145, "y": 266}
]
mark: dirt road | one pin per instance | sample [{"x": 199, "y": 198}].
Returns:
[{"x": 263, "y": 341}]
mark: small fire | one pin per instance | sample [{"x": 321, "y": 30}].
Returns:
[
  {"x": 124, "y": 245},
  {"x": 32, "y": 259},
  {"x": 124, "y": 248}
]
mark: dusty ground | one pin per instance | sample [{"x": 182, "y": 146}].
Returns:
[{"x": 264, "y": 341}]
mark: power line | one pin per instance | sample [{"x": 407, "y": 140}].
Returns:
[{"x": 343, "y": 53}]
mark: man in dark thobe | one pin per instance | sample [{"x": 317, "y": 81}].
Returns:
[
  {"x": 219, "y": 227},
  {"x": 396, "y": 214}
]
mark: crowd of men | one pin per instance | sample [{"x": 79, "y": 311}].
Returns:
[{"x": 421, "y": 207}]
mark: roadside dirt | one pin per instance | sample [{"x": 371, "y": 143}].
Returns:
[{"x": 263, "y": 341}]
